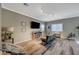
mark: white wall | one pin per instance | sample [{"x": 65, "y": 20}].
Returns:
[{"x": 12, "y": 19}]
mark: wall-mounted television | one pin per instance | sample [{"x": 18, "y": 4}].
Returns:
[{"x": 35, "y": 25}]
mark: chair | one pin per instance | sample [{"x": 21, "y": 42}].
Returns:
[{"x": 49, "y": 41}]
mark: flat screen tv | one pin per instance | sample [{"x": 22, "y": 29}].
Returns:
[{"x": 35, "y": 25}]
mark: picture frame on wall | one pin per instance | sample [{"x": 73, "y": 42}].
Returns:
[
  {"x": 23, "y": 29},
  {"x": 23, "y": 23},
  {"x": 23, "y": 26}
]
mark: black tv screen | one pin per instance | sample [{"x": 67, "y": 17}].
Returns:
[{"x": 35, "y": 25}]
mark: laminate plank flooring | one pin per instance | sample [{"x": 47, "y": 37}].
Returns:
[{"x": 63, "y": 47}]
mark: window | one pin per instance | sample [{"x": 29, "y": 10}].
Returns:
[
  {"x": 57, "y": 27},
  {"x": 42, "y": 27}
]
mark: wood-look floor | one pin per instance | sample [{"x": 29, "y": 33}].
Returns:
[{"x": 63, "y": 47}]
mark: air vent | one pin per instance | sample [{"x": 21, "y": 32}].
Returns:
[{"x": 26, "y": 4}]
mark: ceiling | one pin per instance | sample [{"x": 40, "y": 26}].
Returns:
[{"x": 45, "y": 11}]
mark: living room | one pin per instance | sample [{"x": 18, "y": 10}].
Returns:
[{"x": 34, "y": 29}]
